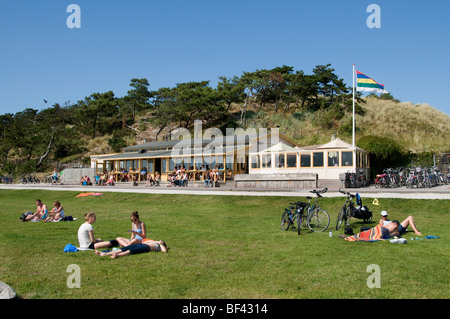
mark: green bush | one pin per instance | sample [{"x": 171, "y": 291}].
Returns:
[{"x": 384, "y": 152}]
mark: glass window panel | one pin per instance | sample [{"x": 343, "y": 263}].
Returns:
[
  {"x": 150, "y": 166},
  {"x": 305, "y": 160},
  {"x": 198, "y": 162},
  {"x": 347, "y": 158},
  {"x": 318, "y": 159},
  {"x": 255, "y": 161},
  {"x": 163, "y": 165},
  {"x": 291, "y": 160},
  {"x": 229, "y": 162},
  {"x": 266, "y": 161},
  {"x": 279, "y": 160},
  {"x": 333, "y": 158}
]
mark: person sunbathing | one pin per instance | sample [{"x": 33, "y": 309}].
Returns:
[
  {"x": 402, "y": 228},
  {"x": 56, "y": 214},
  {"x": 145, "y": 246},
  {"x": 376, "y": 233},
  {"x": 40, "y": 214}
]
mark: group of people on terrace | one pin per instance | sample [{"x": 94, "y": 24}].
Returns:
[{"x": 180, "y": 176}]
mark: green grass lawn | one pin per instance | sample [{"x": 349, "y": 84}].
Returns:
[{"x": 220, "y": 247}]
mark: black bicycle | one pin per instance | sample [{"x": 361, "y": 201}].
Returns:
[
  {"x": 349, "y": 210},
  {"x": 290, "y": 217},
  {"x": 317, "y": 219}
]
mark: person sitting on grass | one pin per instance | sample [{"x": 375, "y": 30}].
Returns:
[
  {"x": 402, "y": 228},
  {"x": 86, "y": 236},
  {"x": 146, "y": 246},
  {"x": 138, "y": 232},
  {"x": 40, "y": 214},
  {"x": 56, "y": 214}
]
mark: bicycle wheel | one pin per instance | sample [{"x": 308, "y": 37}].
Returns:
[
  {"x": 285, "y": 220},
  {"x": 318, "y": 220},
  {"x": 340, "y": 218}
]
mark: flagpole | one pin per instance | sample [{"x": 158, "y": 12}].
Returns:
[{"x": 353, "y": 121}]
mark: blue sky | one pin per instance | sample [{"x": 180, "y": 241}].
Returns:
[{"x": 175, "y": 41}]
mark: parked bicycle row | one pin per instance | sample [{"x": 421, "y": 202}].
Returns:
[
  {"x": 317, "y": 219},
  {"x": 411, "y": 177},
  {"x": 6, "y": 179}
]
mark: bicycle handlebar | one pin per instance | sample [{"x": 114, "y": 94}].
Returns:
[
  {"x": 347, "y": 193},
  {"x": 319, "y": 192},
  {"x": 299, "y": 204}
]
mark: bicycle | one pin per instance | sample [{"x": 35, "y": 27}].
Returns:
[
  {"x": 290, "y": 215},
  {"x": 349, "y": 210},
  {"x": 317, "y": 219}
]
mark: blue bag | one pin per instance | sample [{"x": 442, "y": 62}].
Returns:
[{"x": 70, "y": 248}]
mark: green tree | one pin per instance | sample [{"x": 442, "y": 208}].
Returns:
[
  {"x": 328, "y": 86},
  {"x": 98, "y": 113},
  {"x": 384, "y": 152},
  {"x": 136, "y": 100}
]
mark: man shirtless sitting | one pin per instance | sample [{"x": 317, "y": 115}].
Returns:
[{"x": 40, "y": 214}]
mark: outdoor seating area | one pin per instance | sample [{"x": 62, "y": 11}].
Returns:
[{"x": 215, "y": 161}]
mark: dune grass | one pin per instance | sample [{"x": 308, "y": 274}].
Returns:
[{"x": 220, "y": 247}]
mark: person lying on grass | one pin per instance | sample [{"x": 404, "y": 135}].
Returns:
[
  {"x": 376, "y": 233},
  {"x": 145, "y": 246},
  {"x": 402, "y": 228}
]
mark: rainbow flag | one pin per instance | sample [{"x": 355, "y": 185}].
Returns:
[{"x": 366, "y": 84}]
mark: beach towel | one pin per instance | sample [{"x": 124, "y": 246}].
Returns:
[
  {"x": 373, "y": 234},
  {"x": 89, "y": 194},
  {"x": 84, "y": 194}
]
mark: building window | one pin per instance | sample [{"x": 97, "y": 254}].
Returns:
[
  {"x": 150, "y": 166},
  {"x": 279, "y": 160},
  {"x": 318, "y": 159},
  {"x": 305, "y": 160},
  {"x": 229, "y": 162},
  {"x": 333, "y": 159},
  {"x": 291, "y": 160},
  {"x": 266, "y": 161},
  {"x": 171, "y": 165},
  {"x": 198, "y": 162},
  {"x": 254, "y": 161},
  {"x": 163, "y": 165},
  {"x": 347, "y": 158}
]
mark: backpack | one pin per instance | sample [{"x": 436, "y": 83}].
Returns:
[
  {"x": 348, "y": 230},
  {"x": 24, "y": 215},
  {"x": 358, "y": 200}
]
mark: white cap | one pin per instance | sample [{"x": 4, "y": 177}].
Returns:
[{"x": 384, "y": 213}]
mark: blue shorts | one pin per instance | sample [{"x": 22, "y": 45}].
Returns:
[
  {"x": 136, "y": 249},
  {"x": 402, "y": 230}
]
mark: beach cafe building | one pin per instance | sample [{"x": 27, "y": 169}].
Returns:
[{"x": 251, "y": 155}]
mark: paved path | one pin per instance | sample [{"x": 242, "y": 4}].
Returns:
[{"x": 440, "y": 192}]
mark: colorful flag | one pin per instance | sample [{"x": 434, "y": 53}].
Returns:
[{"x": 366, "y": 84}]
